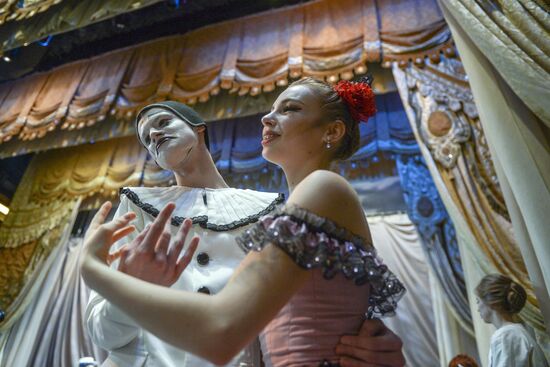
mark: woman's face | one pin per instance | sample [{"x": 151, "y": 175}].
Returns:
[
  {"x": 294, "y": 129},
  {"x": 168, "y": 138},
  {"x": 484, "y": 311}
]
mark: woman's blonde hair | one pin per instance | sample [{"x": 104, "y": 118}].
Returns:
[{"x": 501, "y": 294}]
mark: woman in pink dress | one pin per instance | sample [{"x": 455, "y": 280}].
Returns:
[{"x": 311, "y": 273}]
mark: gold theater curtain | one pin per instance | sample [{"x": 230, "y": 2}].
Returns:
[
  {"x": 17, "y": 103},
  {"x": 51, "y": 104},
  {"x": 27, "y": 237},
  {"x": 98, "y": 89},
  {"x": 514, "y": 115},
  {"x": 199, "y": 71},
  {"x": 56, "y": 184},
  {"x": 149, "y": 75},
  {"x": 247, "y": 56},
  {"x": 514, "y": 35},
  {"x": 425, "y": 32},
  {"x": 445, "y": 119}
]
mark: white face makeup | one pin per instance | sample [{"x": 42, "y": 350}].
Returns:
[{"x": 168, "y": 138}]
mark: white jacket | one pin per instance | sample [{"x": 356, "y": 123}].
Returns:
[{"x": 219, "y": 216}]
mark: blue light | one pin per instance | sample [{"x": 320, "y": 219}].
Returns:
[{"x": 46, "y": 42}]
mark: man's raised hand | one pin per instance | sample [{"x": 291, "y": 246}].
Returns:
[
  {"x": 100, "y": 236},
  {"x": 153, "y": 256}
]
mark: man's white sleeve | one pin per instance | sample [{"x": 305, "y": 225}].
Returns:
[{"x": 108, "y": 326}]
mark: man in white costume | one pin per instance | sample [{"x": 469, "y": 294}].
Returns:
[{"x": 176, "y": 138}]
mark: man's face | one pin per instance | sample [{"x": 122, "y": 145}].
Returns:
[{"x": 168, "y": 138}]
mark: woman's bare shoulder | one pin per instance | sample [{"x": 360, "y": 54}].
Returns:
[{"x": 331, "y": 196}]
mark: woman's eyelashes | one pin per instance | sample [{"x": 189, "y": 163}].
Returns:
[{"x": 290, "y": 108}]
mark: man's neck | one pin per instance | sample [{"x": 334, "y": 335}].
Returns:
[{"x": 200, "y": 172}]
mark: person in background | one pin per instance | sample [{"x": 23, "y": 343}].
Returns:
[
  {"x": 500, "y": 300},
  {"x": 463, "y": 360}
]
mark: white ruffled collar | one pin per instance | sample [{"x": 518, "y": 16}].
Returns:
[{"x": 215, "y": 209}]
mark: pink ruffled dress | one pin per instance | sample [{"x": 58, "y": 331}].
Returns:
[{"x": 347, "y": 283}]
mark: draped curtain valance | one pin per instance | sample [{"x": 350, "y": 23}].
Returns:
[{"x": 251, "y": 55}]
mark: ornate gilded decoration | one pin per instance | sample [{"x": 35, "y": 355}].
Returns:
[
  {"x": 446, "y": 121},
  {"x": 17, "y": 10},
  {"x": 442, "y": 120},
  {"x": 27, "y": 21}
]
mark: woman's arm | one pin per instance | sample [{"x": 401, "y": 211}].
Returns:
[{"x": 217, "y": 327}]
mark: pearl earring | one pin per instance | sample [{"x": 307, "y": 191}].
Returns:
[{"x": 328, "y": 145}]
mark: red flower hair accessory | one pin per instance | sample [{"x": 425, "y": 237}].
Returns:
[{"x": 359, "y": 98}]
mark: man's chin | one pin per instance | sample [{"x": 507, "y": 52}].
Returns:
[
  {"x": 167, "y": 163},
  {"x": 172, "y": 161}
]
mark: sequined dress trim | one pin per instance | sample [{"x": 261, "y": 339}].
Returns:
[{"x": 316, "y": 242}]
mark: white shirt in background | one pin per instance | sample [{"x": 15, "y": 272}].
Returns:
[{"x": 513, "y": 346}]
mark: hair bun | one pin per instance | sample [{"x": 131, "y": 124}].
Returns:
[
  {"x": 515, "y": 298},
  {"x": 358, "y": 97}
]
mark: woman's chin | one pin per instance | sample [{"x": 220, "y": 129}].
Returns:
[{"x": 269, "y": 155}]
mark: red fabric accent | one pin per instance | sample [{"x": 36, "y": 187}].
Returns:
[{"x": 359, "y": 98}]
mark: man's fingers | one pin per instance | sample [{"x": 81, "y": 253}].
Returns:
[
  {"x": 101, "y": 215},
  {"x": 156, "y": 229},
  {"x": 161, "y": 248},
  {"x": 179, "y": 241},
  {"x": 177, "y": 246},
  {"x": 384, "y": 343},
  {"x": 124, "y": 252},
  {"x": 187, "y": 257},
  {"x": 386, "y": 352},
  {"x": 350, "y": 362},
  {"x": 115, "y": 255},
  {"x": 368, "y": 358},
  {"x": 372, "y": 327},
  {"x": 374, "y": 336},
  {"x": 162, "y": 245},
  {"x": 139, "y": 238},
  {"x": 183, "y": 231},
  {"x": 121, "y": 233},
  {"x": 120, "y": 222}
]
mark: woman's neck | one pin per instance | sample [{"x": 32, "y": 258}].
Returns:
[
  {"x": 199, "y": 171},
  {"x": 296, "y": 172},
  {"x": 499, "y": 321}
]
